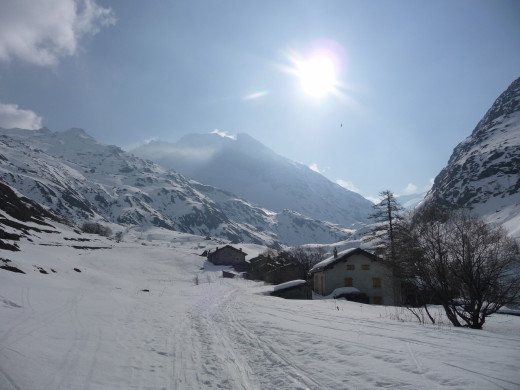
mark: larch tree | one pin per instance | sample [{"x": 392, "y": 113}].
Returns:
[{"x": 387, "y": 215}]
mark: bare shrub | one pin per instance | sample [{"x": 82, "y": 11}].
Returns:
[{"x": 96, "y": 228}]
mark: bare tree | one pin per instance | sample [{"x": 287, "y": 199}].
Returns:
[
  {"x": 471, "y": 267},
  {"x": 484, "y": 259},
  {"x": 307, "y": 257},
  {"x": 422, "y": 249}
]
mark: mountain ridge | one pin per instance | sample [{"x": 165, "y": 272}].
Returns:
[
  {"x": 75, "y": 175},
  {"x": 483, "y": 172},
  {"x": 253, "y": 171}
]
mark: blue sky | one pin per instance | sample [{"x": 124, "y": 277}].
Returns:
[{"x": 413, "y": 78}]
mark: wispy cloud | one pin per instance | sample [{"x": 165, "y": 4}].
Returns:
[
  {"x": 150, "y": 140},
  {"x": 315, "y": 168},
  {"x": 223, "y": 134},
  {"x": 410, "y": 189},
  {"x": 432, "y": 181},
  {"x": 11, "y": 116},
  {"x": 373, "y": 199},
  {"x": 347, "y": 184},
  {"x": 41, "y": 32}
]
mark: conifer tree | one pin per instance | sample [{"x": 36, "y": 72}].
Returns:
[{"x": 387, "y": 214}]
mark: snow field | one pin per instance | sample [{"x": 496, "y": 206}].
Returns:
[{"x": 100, "y": 329}]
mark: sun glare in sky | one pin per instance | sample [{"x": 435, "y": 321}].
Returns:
[
  {"x": 317, "y": 75},
  {"x": 318, "y": 68}
]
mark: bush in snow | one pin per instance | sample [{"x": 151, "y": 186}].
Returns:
[{"x": 96, "y": 228}]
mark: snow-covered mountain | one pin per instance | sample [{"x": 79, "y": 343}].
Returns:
[
  {"x": 246, "y": 167},
  {"x": 83, "y": 180},
  {"x": 483, "y": 173}
]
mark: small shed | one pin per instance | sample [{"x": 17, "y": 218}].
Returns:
[{"x": 295, "y": 289}]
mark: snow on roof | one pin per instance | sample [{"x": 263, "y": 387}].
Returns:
[
  {"x": 286, "y": 285},
  {"x": 229, "y": 247},
  {"x": 332, "y": 259},
  {"x": 341, "y": 257}
]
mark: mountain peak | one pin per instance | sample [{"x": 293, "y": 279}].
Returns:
[
  {"x": 506, "y": 104},
  {"x": 482, "y": 172},
  {"x": 253, "y": 171}
]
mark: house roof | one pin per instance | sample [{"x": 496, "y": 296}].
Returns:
[
  {"x": 230, "y": 247},
  {"x": 342, "y": 256}
]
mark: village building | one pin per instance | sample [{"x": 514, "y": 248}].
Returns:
[
  {"x": 274, "y": 270},
  {"x": 360, "y": 269},
  {"x": 228, "y": 255}
]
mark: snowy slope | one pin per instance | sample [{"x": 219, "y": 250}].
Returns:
[
  {"x": 483, "y": 173},
  {"x": 409, "y": 202},
  {"x": 249, "y": 169},
  {"x": 133, "y": 318},
  {"x": 84, "y": 180}
]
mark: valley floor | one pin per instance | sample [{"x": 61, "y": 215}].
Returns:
[{"x": 134, "y": 318}]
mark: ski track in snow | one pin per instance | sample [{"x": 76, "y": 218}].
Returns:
[{"x": 100, "y": 329}]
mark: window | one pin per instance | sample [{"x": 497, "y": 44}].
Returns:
[
  {"x": 376, "y": 282},
  {"x": 351, "y": 267},
  {"x": 378, "y": 300},
  {"x": 365, "y": 267},
  {"x": 349, "y": 282}
]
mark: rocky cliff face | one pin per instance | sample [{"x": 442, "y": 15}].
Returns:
[{"x": 483, "y": 173}]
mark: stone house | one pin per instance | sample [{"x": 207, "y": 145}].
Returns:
[
  {"x": 230, "y": 256},
  {"x": 360, "y": 269}
]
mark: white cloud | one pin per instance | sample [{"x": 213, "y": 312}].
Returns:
[
  {"x": 150, "y": 140},
  {"x": 432, "y": 181},
  {"x": 315, "y": 168},
  {"x": 347, "y": 184},
  {"x": 41, "y": 32},
  {"x": 410, "y": 189},
  {"x": 223, "y": 134},
  {"x": 13, "y": 117},
  {"x": 373, "y": 199}
]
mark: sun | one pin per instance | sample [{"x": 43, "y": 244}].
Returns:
[
  {"x": 317, "y": 75},
  {"x": 320, "y": 68}
]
